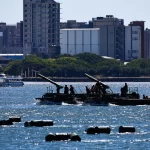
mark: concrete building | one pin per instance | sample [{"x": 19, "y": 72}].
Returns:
[
  {"x": 147, "y": 43},
  {"x": 99, "y": 41},
  {"x": 19, "y": 34},
  {"x": 109, "y": 20},
  {"x": 132, "y": 42},
  {"x": 112, "y": 41},
  {"x": 142, "y": 25},
  {"x": 41, "y": 26},
  {"x": 112, "y": 35},
  {"x": 1, "y": 40},
  {"x": 75, "y": 41},
  {"x": 73, "y": 24},
  {"x": 12, "y": 34}
]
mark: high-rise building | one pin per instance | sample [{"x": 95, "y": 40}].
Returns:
[
  {"x": 1, "y": 39},
  {"x": 112, "y": 41},
  {"x": 41, "y": 27},
  {"x": 12, "y": 34},
  {"x": 19, "y": 34},
  {"x": 132, "y": 42},
  {"x": 147, "y": 43},
  {"x": 142, "y": 25}
]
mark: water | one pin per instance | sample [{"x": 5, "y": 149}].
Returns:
[{"x": 19, "y": 101}]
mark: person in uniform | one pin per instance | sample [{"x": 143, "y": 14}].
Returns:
[
  {"x": 124, "y": 90},
  {"x": 58, "y": 90},
  {"x": 66, "y": 89},
  {"x": 72, "y": 90},
  {"x": 88, "y": 91}
]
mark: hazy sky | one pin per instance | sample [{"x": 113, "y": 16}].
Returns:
[{"x": 84, "y": 10}]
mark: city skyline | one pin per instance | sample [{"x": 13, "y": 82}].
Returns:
[{"x": 12, "y": 11}]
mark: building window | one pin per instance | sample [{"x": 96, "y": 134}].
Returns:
[
  {"x": 134, "y": 51},
  {"x": 134, "y": 32},
  {"x": 134, "y": 38}
]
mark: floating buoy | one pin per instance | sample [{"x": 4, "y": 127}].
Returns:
[
  {"x": 38, "y": 123},
  {"x": 15, "y": 119},
  {"x": 6, "y": 122},
  {"x": 126, "y": 129},
  {"x": 62, "y": 137},
  {"x": 98, "y": 130}
]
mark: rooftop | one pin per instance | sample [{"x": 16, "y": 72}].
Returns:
[{"x": 82, "y": 29}]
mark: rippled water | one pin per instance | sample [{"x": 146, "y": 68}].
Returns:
[{"x": 19, "y": 101}]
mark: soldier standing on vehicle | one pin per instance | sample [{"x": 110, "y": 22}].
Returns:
[
  {"x": 66, "y": 89},
  {"x": 72, "y": 90}
]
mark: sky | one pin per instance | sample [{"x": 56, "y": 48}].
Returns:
[{"x": 11, "y": 11}]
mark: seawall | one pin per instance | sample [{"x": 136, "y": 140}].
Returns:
[{"x": 85, "y": 79}]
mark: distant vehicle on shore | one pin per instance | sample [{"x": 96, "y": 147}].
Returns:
[{"x": 6, "y": 81}]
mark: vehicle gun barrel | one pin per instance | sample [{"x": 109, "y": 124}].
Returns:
[
  {"x": 51, "y": 81},
  {"x": 96, "y": 80}
]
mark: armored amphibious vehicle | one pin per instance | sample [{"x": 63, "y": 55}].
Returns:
[{"x": 92, "y": 98}]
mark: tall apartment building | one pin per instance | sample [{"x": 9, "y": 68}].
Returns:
[
  {"x": 147, "y": 43},
  {"x": 1, "y": 39},
  {"x": 132, "y": 42},
  {"x": 142, "y": 25},
  {"x": 41, "y": 26},
  {"x": 12, "y": 34},
  {"x": 19, "y": 34},
  {"x": 112, "y": 41}
]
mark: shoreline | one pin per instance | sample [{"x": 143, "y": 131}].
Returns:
[{"x": 85, "y": 79}]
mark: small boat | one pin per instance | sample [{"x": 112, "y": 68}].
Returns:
[{"x": 6, "y": 81}]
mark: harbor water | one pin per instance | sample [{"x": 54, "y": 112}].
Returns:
[{"x": 20, "y": 102}]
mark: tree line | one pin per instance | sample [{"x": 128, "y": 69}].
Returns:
[{"x": 76, "y": 66}]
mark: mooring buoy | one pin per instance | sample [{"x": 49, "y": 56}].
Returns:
[
  {"x": 6, "y": 122},
  {"x": 38, "y": 123},
  {"x": 62, "y": 137},
  {"x": 126, "y": 129},
  {"x": 15, "y": 119},
  {"x": 98, "y": 130}
]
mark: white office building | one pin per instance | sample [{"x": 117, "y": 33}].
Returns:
[
  {"x": 132, "y": 42},
  {"x": 75, "y": 41}
]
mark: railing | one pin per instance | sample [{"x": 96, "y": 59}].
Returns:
[{"x": 133, "y": 89}]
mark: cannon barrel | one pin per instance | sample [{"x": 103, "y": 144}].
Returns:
[
  {"x": 51, "y": 81},
  {"x": 96, "y": 80}
]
